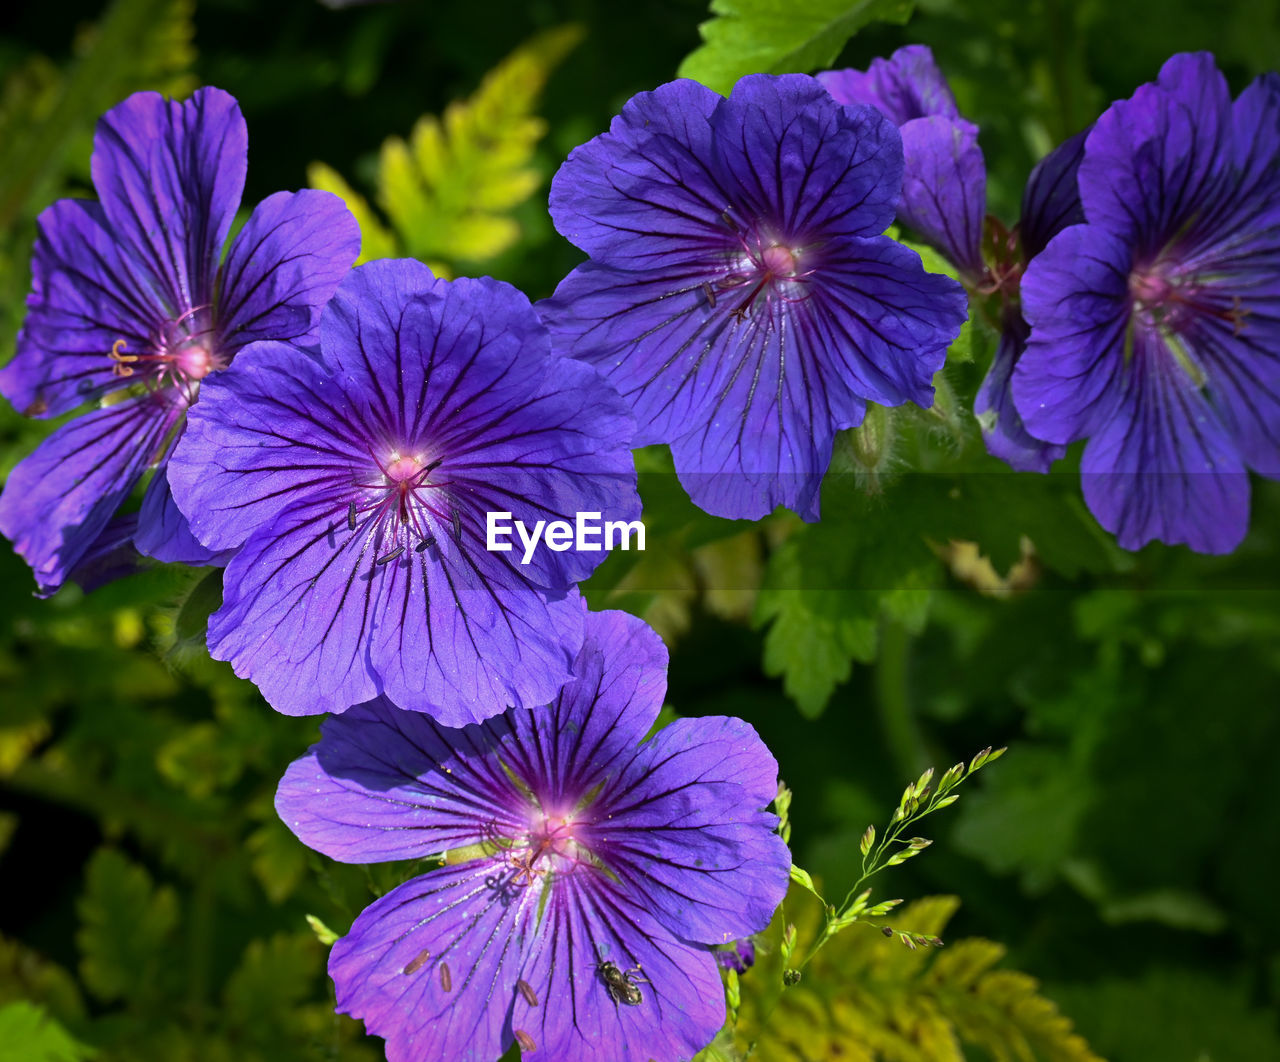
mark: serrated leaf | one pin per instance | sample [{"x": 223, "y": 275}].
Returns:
[
  {"x": 448, "y": 189},
  {"x": 867, "y": 997},
  {"x": 125, "y": 924},
  {"x": 779, "y": 36},
  {"x": 274, "y": 976},
  {"x": 279, "y": 859},
  {"x": 29, "y": 1034}
]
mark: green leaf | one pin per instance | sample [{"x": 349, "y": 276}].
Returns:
[
  {"x": 273, "y": 978},
  {"x": 29, "y": 1034},
  {"x": 450, "y": 188},
  {"x": 46, "y": 118},
  {"x": 780, "y": 36},
  {"x": 125, "y": 923}
]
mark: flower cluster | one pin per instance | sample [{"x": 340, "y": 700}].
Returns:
[
  {"x": 338, "y": 439},
  {"x": 1137, "y": 291}
]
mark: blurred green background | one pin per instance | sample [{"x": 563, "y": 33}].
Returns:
[{"x": 1124, "y": 852}]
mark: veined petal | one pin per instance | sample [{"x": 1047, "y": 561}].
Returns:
[
  {"x": 87, "y": 296},
  {"x": 1153, "y": 162},
  {"x": 1075, "y": 296},
  {"x": 236, "y": 468},
  {"x": 803, "y": 166},
  {"x": 1051, "y": 200},
  {"x": 1165, "y": 468},
  {"x": 283, "y": 267},
  {"x": 319, "y": 620},
  {"x": 385, "y": 784},
  {"x": 1003, "y": 431},
  {"x": 57, "y": 501},
  {"x": 592, "y": 730},
  {"x": 688, "y": 829},
  {"x": 588, "y": 922},
  {"x": 645, "y": 186},
  {"x": 944, "y": 188},
  {"x": 905, "y": 86},
  {"x": 432, "y": 966},
  {"x": 170, "y": 176},
  {"x": 163, "y": 532}
]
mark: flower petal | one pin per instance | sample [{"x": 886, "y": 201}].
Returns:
[
  {"x": 163, "y": 532},
  {"x": 57, "y": 501},
  {"x": 431, "y": 965},
  {"x": 283, "y": 267},
  {"x": 1003, "y": 431},
  {"x": 592, "y": 730},
  {"x": 1075, "y": 296},
  {"x": 905, "y": 86},
  {"x": 170, "y": 176},
  {"x": 944, "y": 188},
  {"x": 684, "y": 829},
  {"x": 318, "y": 623},
  {"x": 577, "y": 1019},
  {"x": 645, "y": 189},
  {"x": 384, "y": 784},
  {"x": 803, "y": 164},
  {"x": 1152, "y": 162},
  {"x": 1164, "y": 468},
  {"x": 87, "y": 295},
  {"x": 1051, "y": 200}
]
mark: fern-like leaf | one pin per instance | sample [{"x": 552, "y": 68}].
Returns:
[
  {"x": 868, "y": 998},
  {"x": 448, "y": 190}
]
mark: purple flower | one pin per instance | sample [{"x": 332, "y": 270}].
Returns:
[
  {"x": 590, "y": 870},
  {"x": 1050, "y": 203},
  {"x": 739, "y": 293},
  {"x": 1154, "y": 325},
  {"x": 737, "y": 955},
  {"x": 130, "y": 309},
  {"x": 359, "y": 485},
  {"x": 944, "y": 182}
]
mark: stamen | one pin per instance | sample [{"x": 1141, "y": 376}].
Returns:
[
  {"x": 351, "y": 516},
  {"x": 390, "y": 556},
  {"x": 446, "y": 978},
  {"x": 120, "y": 366},
  {"x": 426, "y": 543}
]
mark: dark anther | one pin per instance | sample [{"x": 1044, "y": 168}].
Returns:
[
  {"x": 351, "y": 516},
  {"x": 426, "y": 543},
  {"x": 390, "y": 556}
]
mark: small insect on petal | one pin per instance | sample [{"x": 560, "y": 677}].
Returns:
[
  {"x": 527, "y": 991},
  {"x": 418, "y": 961},
  {"x": 351, "y": 516},
  {"x": 390, "y": 556},
  {"x": 446, "y": 978},
  {"x": 525, "y": 1041}
]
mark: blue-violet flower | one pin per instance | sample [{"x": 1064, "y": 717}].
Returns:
[
  {"x": 131, "y": 309},
  {"x": 1155, "y": 325},
  {"x": 590, "y": 871},
  {"x": 359, "y": 484},
  {"x": 740, "y": 294}
]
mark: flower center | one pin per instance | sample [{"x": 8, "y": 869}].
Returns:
[
  {"x": 1151, "y": 290},
  {"x": 400, "y": 505},
  {"x": 179, "y": 354},
  {"x": 778, "y": 262}
]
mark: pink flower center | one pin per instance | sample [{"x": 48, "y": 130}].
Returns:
[{"x": 778, "y": 261}]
